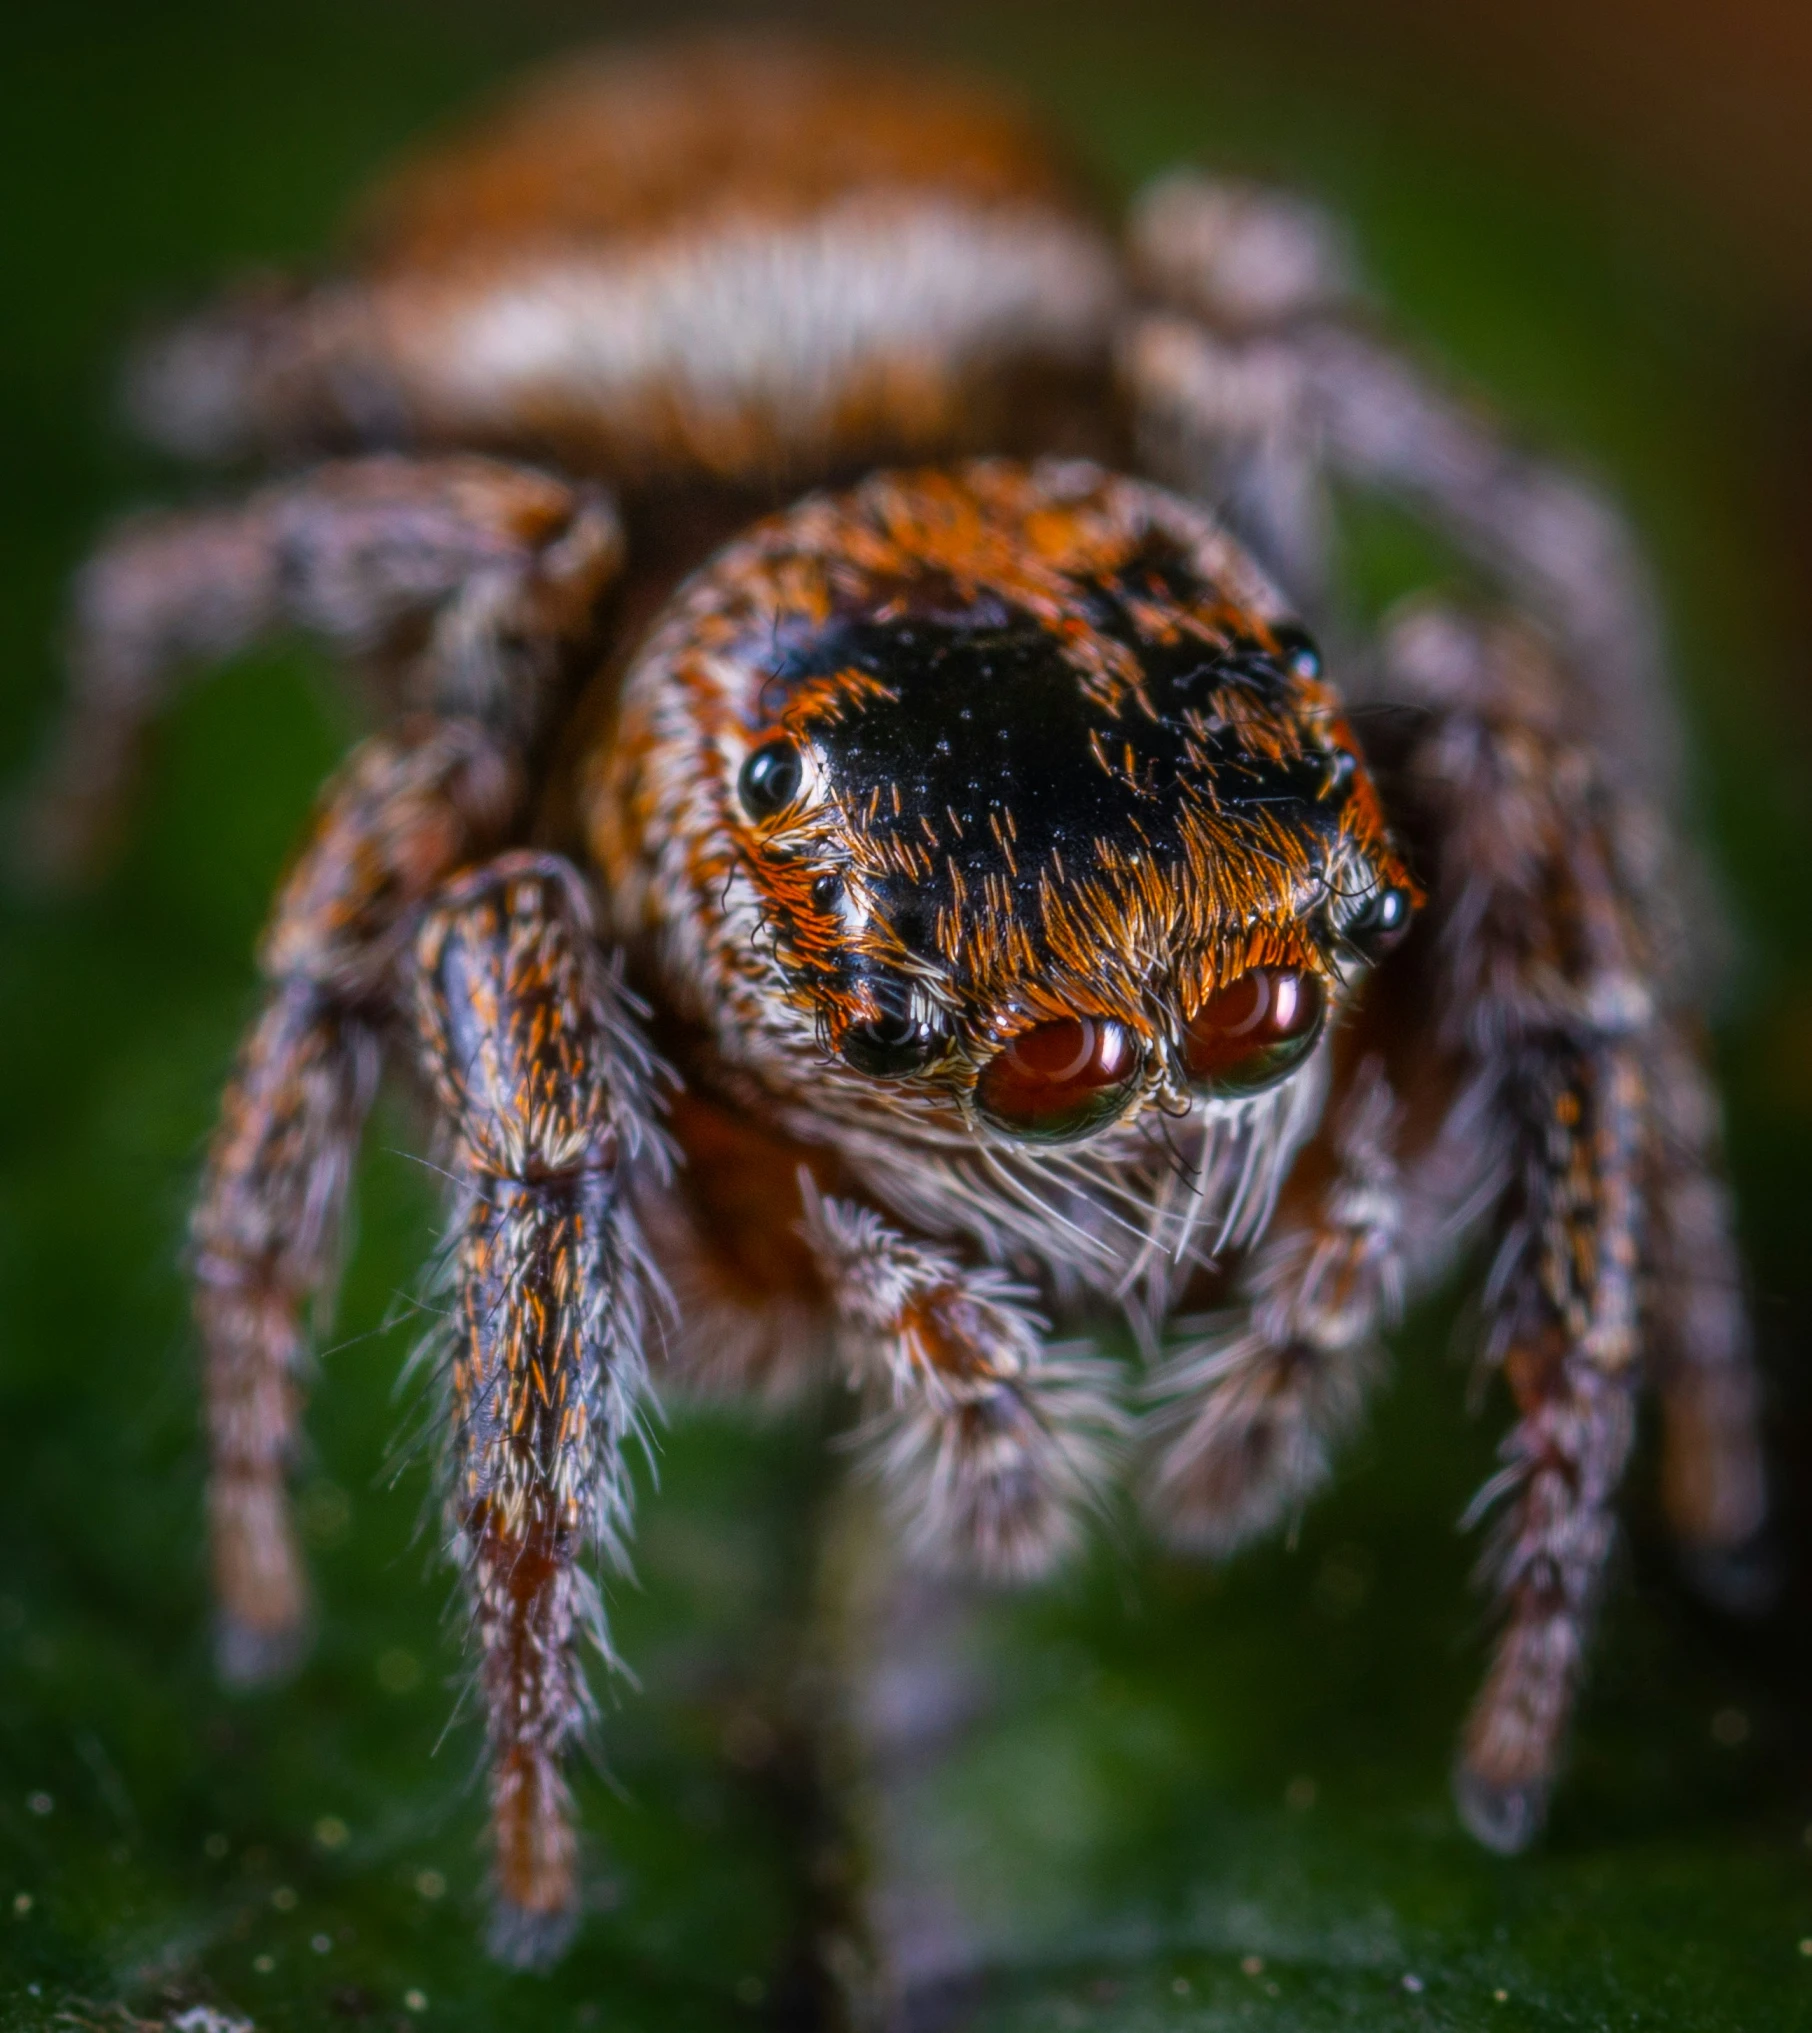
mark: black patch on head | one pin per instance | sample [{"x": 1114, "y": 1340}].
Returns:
[{"x": 983, "y": 718}]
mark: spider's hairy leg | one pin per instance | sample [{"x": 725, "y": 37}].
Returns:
[
  {"x": 544, "y": 1091},
  {"x": 1713, "y": 1482},
  {"x": 462, "y": 584},
  {"x": 1545, "y": 946},
  {"x": 1253, "y": 1411},
  {"x": 1254, "y": 386},
  {"x": 992, "y": 1451},
  {"x": 1564, "y": 1334},
  {"x": 1218, "y": 396},
  {"x": 405, "y": 811}
]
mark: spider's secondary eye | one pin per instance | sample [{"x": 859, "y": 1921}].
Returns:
[
  {"x": 1297, "y": 650},
  {"x": 894, "y": 1041},
  {"x": 770, "y": 779},
  {"x": 1061, "y": 1080},
  {"x": 1381, "y": 924},
  {"x": 1255, "y": 1030}
]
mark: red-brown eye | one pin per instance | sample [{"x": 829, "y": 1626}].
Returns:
[
  {"x": 1061, "y": 1080},
  {"x": 1255, "y": 1030}
]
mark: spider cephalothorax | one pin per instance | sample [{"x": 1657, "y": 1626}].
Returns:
[
  {"x": 995, "y": 808},
  {"x": 1004, "y": 888}
]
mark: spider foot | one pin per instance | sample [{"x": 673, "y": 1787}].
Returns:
[
  {"x": 535, "y": 1910},
  {"x": 525, "y": 1938},
  {"x": 1506, "y": 1818},
  {"x": 1743, "y": 1580},
  {"x": 248, "y": 1655},
  {"x": 264, "y": 1625}
]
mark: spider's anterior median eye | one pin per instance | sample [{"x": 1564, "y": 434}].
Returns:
[
  {"x": 770, "y": 779},
  {"x": 894, "y": 1041},
  {"x": 1061, "y": 1080},
  {"x": 1255, "y": 1030}
]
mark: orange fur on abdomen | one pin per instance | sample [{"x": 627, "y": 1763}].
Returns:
[{"x": 751, "y": 263}]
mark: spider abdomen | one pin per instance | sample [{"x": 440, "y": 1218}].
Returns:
[{"x": 740, "y": 260}]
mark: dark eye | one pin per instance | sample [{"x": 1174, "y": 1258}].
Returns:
[
  {"x": 894, "y": 1041},
  {"x": 1255, "y": 1030},
  {"x": 1060, "y": 1080},
  {"x": 1296, "y": 650},
  {"x": 1380, "y": 924},
  {"x": 770, "y": 779}
]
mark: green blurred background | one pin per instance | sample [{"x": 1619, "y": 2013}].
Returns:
[{"x": 1196, "y": 1801}]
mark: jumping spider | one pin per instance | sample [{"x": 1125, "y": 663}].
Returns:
[{"x": 850, "y": 931}]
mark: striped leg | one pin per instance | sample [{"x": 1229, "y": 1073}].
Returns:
[
  {"x": 405, "y": 811},
  {"x": 544, "y": 1093},
  {"x": 1259, "y": 386},
  {"x": 1565, "y": 1295},
  {"x": 461, "y": 584},
  {"x": 1546, "y": 944},
  {"x": 1712, "y": 1476}
]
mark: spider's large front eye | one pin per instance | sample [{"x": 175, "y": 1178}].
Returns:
[
  {"x": 1061, "y": 1080},
  {"x": 770, "y": 778},
  {"x": 1255, "y": 1030},
  {"x": 894, "y": 1041}
]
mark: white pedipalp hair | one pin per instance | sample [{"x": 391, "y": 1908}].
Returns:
[
  {"x": 1129, "y": 1215},
  {"x": 1219, "y": 1196}
]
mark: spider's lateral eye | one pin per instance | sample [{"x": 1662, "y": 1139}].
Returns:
[
  {"x": 1381, "y": 923},
  {"x": 1296, "y": 650},
  {"x": 893, "y": 1042},
  {"x": 1060, "y": 1080},
  {"x": 1248, "y": 1035},
  {"x": 770, "y": 778}
]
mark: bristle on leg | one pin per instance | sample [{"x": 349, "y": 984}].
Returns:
[
  {"x": 543, "y": 1090},
  {"x": 992, "y": 1453},
  {"x": 1546, "y": 941},
  {"x": 406, "y": 809}
]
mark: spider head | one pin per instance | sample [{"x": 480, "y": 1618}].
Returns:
[{"x": 1038, "y": 803}]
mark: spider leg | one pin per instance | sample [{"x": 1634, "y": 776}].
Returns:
[
  {"x": 544, "y": 1091},
  {"x": 1219, "y": 397},
  {"x": 1255, "y": 399},
  {"x": 1564, "y": 1335},
  {"x": 406, "y": 810},
  {"x": 1713, "y": 1483},
  {"x": 1544, "y": 938},
  {"x": 462, "y": 584},
  {"x": 1253, "y": 1410},
  {"x": 992, "y": 1452}
]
